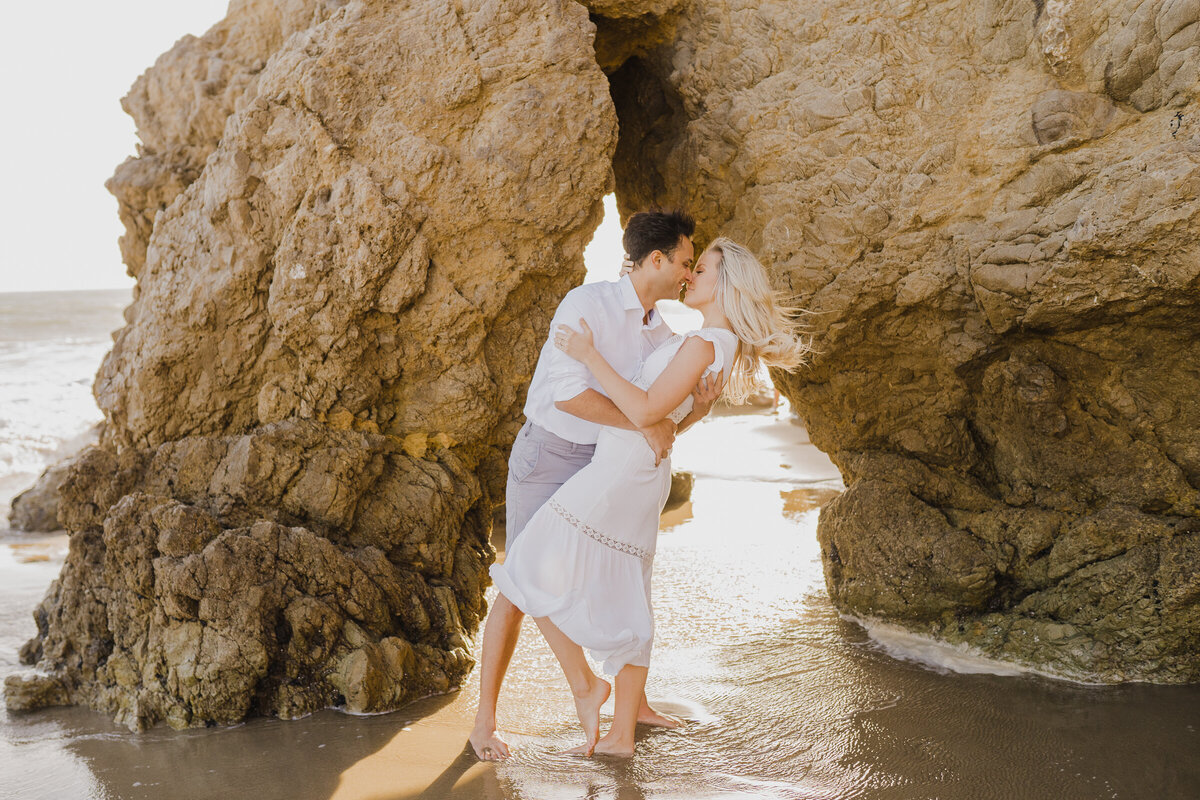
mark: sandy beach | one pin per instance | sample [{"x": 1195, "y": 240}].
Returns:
[
  {"x": 419, "y": 752},
  {"x": 784, "y": 698}
]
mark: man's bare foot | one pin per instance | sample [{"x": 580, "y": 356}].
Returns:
[
  {"x": 655, "y": 719},
  {"x": 488, "y": 745},
  {"x": 587, "y": 708}
]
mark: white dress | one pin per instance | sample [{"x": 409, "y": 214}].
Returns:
[{"x": 585, "y": 558}]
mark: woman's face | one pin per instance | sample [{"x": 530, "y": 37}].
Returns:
[{"x": 702, "y": 288}]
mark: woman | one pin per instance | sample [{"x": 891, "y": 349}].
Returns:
[{"x": 582, "y": 565}]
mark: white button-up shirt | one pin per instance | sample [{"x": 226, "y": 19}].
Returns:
[{"x": 614, "y": 313}]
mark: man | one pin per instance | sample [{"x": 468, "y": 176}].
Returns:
[{"x": 565, "y": 409}]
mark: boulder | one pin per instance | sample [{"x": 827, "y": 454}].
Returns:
[
  {"x": 36, "y": 508},
  {"x": 350, "y": 223},
  {"x": 991, "y": 211}
]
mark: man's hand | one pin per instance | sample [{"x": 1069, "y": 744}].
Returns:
[
  {"x": 707, "y": 390},
  {"x": 704, "y": 395},
  {"x": 660, "y": 436}
]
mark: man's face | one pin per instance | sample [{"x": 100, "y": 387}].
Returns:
[{"x": 677, "y": 271}]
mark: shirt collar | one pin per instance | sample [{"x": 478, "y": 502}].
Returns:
[
  {"x": 629, "y": 296},
  {"x": 631, "y": 302}
]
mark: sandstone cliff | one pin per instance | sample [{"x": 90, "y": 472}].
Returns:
[
  {"x": 992, "y": 210},
  {"x": 350, "y": 224}
]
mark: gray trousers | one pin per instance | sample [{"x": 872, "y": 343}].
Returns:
[{"x": 539, "y": 463}]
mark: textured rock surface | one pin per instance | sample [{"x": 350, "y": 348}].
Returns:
[
  {"x": 992, "y": 209},
  {"x": 28, "y": 691},
  {"x": 180, "y": 106},
  {"x": 350, "y": 223},
  {"x": 36, "y": 508}
]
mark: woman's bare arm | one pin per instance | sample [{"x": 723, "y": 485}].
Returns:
[{"x": 643, "y": 407}]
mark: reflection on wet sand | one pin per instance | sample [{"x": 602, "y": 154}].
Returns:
[
  {"x": 798, "y": 502},
  {"x": 783, "y": 698}
]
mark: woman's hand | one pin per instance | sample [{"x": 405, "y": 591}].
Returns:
[
  {"x": 577, "y": 344},
  {"x": 626, "y": 266}
]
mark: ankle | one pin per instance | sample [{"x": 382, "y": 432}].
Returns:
[
  {"x": 585, "y": 687},
  {"x": 619, "y": 739},
  {"x": 485, "y": 723}
]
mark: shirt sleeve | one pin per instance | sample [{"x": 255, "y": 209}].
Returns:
[{"x": 569, "y": 377}]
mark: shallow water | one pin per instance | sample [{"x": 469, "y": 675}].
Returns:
[
  {"x": 784, "y": 698},
  {"x": 51, "y": 344}
]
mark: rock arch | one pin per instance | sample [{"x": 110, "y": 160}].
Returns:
[{"x": 350, "y": 222}]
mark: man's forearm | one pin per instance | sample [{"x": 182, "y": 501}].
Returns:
[{"x": 595, "y": 407}]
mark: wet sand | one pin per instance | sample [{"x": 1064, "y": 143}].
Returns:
[{"x": 784, "y": 698}]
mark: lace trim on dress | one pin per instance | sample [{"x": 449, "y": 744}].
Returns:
[{"x": 588, "y": 530}]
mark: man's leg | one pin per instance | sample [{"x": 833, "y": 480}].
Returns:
[
  {"x": 500, "y": 635},
  {"x": 535, "y": 472}
]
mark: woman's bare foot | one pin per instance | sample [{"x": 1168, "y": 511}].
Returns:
[
  {"x": 587, "y": 708},
  {"x": 488, "y": 745},
  {"x": 611, "y": 745},
  {"x": 655, "y": 719}
]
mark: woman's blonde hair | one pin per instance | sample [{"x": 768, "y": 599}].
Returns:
[{"x": 767, "y": 330}]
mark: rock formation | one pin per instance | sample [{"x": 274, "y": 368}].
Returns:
[
  {"x": 350, "y": 223},
  {"x": 991, "y": 208},
  {"x": 682, "y": 482},
  {"x": 36, "y": 508}
]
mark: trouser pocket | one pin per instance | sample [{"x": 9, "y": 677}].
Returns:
[{"x": 523, "y": 460}]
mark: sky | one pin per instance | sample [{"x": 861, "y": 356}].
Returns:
[{"x": 66, "y": 66}]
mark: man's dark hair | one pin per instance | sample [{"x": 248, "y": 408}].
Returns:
[{"x": 655, "y": 229}]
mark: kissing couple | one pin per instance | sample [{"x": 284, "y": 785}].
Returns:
[{"x": 590, "y": 471}]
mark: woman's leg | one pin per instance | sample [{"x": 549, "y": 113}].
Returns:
[
  {"x": 655, "y": 719},
  {"x": 590, "y": 691},
  {"x": 631, "y": 683}
]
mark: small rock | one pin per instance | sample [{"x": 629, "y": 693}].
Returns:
[
  {"x": 681, "y": 489},
  {"x": 31, "y": 690}
]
